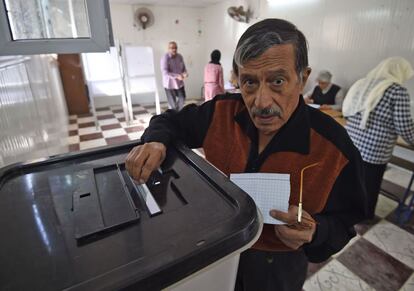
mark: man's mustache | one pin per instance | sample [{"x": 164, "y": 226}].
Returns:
[{"x": 274, "y": 110}]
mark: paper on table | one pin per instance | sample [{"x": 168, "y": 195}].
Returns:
[
  {"x": 268, "y": 190},
  {"x": 314, "y": 105}
]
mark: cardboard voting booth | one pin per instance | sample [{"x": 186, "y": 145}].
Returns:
[{"x": 79, "y": 222}]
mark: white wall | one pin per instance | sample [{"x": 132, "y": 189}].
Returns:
[
  {"x": 222, "y": 33},
  {"x": 185, "y": 33},
  {"x": 346, "y": 37}
]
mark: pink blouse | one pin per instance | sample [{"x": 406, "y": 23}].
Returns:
[{"x": 213, "y": 81}]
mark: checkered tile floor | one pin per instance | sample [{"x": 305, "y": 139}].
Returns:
[
  {"x": 112, "y": 128},
  {"x": 381, "y": 257}
]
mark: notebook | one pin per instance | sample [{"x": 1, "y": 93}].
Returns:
[{"x": 268, "y": 190}]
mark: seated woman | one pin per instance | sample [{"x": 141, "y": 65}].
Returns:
[
  {"x": 213, "y": 77},
  {"x": 326, "y": 94}
]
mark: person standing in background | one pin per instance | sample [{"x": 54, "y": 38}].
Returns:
[
  {"x": 173, "y": 74},
  {"x": 377, "y": 108},
  {"x": 326, "y": 94},
  {"x": 213, "y": 77}
]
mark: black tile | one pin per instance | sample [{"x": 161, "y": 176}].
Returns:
[
  {"x": 102, "y": 109},
  {"x": 377, "y": 268}
]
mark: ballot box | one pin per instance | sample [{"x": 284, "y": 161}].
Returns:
[{"x": 79, "y": 222}]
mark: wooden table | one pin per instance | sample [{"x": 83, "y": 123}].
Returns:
[
  {"x": 337, "y": 115},
  {"x": 402, "y": 143}
]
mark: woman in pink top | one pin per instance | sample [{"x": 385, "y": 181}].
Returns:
[{"x": 213, "y": 77}]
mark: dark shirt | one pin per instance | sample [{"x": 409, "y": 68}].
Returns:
[{"x": 325, "y": 98}]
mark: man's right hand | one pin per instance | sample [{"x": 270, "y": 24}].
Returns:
[{"x": 142, "y": 160}]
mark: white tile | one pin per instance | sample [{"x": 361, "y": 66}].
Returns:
[
  {"x": 115, "y": 107},
  {"x": 404, "y": 153},
  {"x": 88, "y": 130},
  {"x": 139, "y": 107},
  {"x": 72, "y": 126},
  {"x": 104, "y": 112},
  {"x": 145, "y": 118},
  {"x": 108, "y": 121},
  {"x": 409, "y": 285},
  {"x": 335, "y": 276},
  {"x": 73, "y": 139},
  {"x": 151, "y": 111},
  {"x": 393, "y": 240},
  {"x": 398, "y": 176},
  {"x": 92, "y": 143},
  {"x": 132, "y": 123},
  {"x": 119, "y": 115},
  {"x": 385, "y": 206},
  {"x": 135, "y": 135},
  {"x": 113, "y": 132},
  {"x": 73, "y": 117},
  {"x": 86, "y": 119}
]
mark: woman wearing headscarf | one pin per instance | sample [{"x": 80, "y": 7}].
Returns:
[
  {"x": 377, "y": 109},
  {"x": 213, "y": 77}
]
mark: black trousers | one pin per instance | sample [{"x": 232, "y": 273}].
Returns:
[
  {"x": 175, "y": 98},
  {"x": 271, "y": 271},
  {"x": 373, "y": 179}
]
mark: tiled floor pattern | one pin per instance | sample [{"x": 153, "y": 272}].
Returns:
[
  {"x": 111, "y": 127},
  {"x": 380, "y": 257}
]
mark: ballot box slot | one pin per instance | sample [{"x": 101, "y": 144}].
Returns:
[
  {"x": 126, "y": 189},
  {"x": 102, "y": 203},
  {"x": 145, "y": 196},
  {"x": 164, "y": 189},
  {"x": 178, "y": 193}
]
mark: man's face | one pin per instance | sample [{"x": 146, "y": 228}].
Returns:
[
  {"x": 323, "y": 85},
  {"x": 270, "y": 87},
  {"x": 172, "y": 49}
]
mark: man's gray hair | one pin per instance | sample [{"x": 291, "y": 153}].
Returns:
[{"x": 267, "y": 33}]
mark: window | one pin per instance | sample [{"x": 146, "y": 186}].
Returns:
[
  {"x": 54, "y": 26},
  {"x": 102, "y": 73}
]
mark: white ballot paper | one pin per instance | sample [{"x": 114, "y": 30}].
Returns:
[{"x": 268, "y": 190}]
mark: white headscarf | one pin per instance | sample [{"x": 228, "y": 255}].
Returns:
[{"x": 365, "y": 94}]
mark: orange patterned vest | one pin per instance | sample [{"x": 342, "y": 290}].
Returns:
[{"x": 227, "y": 147}]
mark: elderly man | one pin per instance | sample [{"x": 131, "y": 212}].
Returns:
[
  {"x": 326, "y": 94},
  {"x": 173, "y": 75},
  {"x": 268, "y": 128}
]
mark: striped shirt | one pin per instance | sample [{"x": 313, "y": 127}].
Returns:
[{"x": 388, "y": 120}]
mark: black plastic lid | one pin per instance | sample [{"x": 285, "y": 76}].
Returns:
[{"x": 76, "y": 222}]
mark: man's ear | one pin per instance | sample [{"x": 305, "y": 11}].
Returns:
[{"x": 306, "y": 73}]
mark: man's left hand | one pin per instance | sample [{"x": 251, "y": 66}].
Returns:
[{"x": 294, "y": 234}]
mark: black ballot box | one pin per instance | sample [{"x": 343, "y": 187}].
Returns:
[{"x": 79, "y": 222}]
